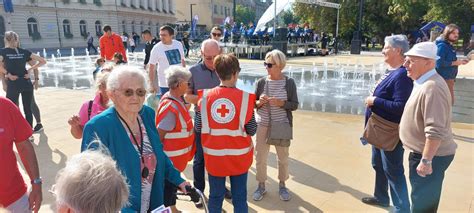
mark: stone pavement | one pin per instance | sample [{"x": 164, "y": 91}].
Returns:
[{"x": 330, "y": 170}]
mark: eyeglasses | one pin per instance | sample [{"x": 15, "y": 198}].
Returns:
[
  {"x": 129, "y": 92},
  {"x": 268, "y": 64},
  {"x": 409, "y": 61},
  {"x": 216, "y": 34}
]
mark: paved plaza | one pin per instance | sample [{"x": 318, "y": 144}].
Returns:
[{"x": 330, "y": 171}]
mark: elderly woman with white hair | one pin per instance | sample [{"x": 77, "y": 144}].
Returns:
[
  {"x": 128, "y": 131},
  {"x": 91, "y": 183},
  {"x": 387, "y": 102},
  {"x": 91, "y": 108},
  {"x": 276, "y": 99},
  {"x": 175, "y": 126}
]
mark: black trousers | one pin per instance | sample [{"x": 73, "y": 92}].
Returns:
[
  {"x": 26, "y": 97},
  {"x": 89, "y": 46},
  {"x": 169, "y": 194},
  {"x": 426, "y": 191}
]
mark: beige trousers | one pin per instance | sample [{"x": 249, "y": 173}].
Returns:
[{"x": 262, "y": 149}]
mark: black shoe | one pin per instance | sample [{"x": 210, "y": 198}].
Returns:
[
  {"x": 38, "y": 128},
  {"x": 228, "y": 194},
  {"x": 373, "y": 201}
]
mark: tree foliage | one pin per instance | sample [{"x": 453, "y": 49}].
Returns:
[
  {"x": 244, "y": 14},
  {"x": 384, "y": 17}
]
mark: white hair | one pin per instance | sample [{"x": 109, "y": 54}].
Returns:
[
  {"x": 176, "y": 74},
  {"x": 125, "y": 73},
  {"x": 398, "y": 41},
  {"x": 91, "y": 183},
  {"x": 101, "y": 79},
  {"x": 278, "y": 57},
  {"x": 210, "y": 43}
]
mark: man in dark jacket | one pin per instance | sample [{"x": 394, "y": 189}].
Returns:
[{"x": 150, "y": 41}]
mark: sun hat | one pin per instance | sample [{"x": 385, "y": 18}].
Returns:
[{"x": 424, "y": 49}]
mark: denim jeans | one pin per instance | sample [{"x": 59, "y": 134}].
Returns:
[
  {"x": 426, "y": 191},
  {"x": 198, "y": 164},
  {"x": 238, "y": 187},
  {"x": 389, "y": 171}
]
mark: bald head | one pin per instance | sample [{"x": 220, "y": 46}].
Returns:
[
  {"x": 209, "y": 50},
  {"x": 210, "y": 45}
]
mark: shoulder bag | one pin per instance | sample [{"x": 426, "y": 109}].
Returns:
[
  {"x": 381, "y": 133},
  {"x": 279, "y": 133}
]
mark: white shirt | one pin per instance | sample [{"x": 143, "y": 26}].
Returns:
[{"x": 164, "y": 56}]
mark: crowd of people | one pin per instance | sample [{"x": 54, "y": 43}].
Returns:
[{"x": 132, "y": 155}]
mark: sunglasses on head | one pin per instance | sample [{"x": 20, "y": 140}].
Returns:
[
  {"x": 217, "y": 34},
  {"x": 268, "y": 64},
  {"x": 140, "y": 92}
]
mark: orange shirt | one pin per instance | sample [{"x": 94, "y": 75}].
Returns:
[{"x": 109, "y": 45}]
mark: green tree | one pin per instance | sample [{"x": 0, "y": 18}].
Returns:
[
  {"x": 289, "y": 17},
  {"x": 244, "y": 14}
]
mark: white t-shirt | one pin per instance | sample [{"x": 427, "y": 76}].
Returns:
[{"x": 164, "y": 56}]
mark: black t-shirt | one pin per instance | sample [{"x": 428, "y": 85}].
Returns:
[{"x": 15, "y": 64}]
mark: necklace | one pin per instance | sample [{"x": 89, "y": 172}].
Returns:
[{"x": 145, "y": 170}]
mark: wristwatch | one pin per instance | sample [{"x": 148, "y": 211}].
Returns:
[
  {"x": 426, "y": 161},
  {"x": 37, "y": 181}
]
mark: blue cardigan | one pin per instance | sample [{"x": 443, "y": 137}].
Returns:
[
  {"x": 107, "y": 127},
  {"x": 392, "y": 94},
  {"x": 447, "y": 54}
]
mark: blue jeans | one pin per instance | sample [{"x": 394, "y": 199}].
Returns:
[
  {"x": 238, "y": 187},
  {"x": 426, "y": 191},
  {"x": 198, "y": 164},
  {"x": 388, "y": 166}
]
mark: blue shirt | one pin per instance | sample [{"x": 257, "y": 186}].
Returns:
[
  {"x": 424, "y": 77},
  {"x": 391, "y": 95},
  {"x": 107, "y": 128},
  {"x": 447, "y": 54}
]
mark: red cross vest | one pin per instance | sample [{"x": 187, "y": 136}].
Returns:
[
  {"x": 228, "y": 150},
  {"x": 178, "y": 143}
]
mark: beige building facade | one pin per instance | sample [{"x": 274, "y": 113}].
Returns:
[
  {"x": 65, "y": 23},
  {"x": 209, "y": 12}
]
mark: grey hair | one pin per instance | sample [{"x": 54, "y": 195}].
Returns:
[
  {"x": 11, "y": 39},
  {"x": 210, "y": 42},
  {"x": 91, "y": 182},
  {"x": 125, "y": 73},
  {"x": 398, "y": 41},
  {"x": 278, "y": 57},
  {"x": 176, "y": 74}
]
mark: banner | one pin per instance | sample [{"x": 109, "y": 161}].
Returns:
[{"x": 8, "y": 6}]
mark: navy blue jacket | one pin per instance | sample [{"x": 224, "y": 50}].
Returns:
[
  {"x": 447, "y": 54},
  {"x": 392, "y": 94}
]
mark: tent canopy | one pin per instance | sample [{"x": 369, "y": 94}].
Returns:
[{"x": 433, "y": 24}]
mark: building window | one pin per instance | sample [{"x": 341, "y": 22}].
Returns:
[
  {"x": 150, "y": 4},
  {"x": 159, "y": 5},
  {"x": 123, "y": 2},
  {"x": 32, "y": 26},
  {"x": 158, "y": 29},
  {"x": 98, "y": 28},
  {"x": 164, "y": 6},
  {"x": 124, "y": 26},
  {"x": 83, "y": 28},
  {"x": 133, "y": 26},
  {"x": 142, "y": 4},
  {"x": 215, "y": 9},
  {"x": 141, "y": 26},
  {"x": 222, "y": 10},
  {"x": 149, "y": 26}
]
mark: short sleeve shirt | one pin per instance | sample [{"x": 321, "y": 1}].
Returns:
[
  {"x": 15, "y": 63},
  {"x": 202, "y": 78},
  {"x": 13, "y": 129},
  {"x": 95, "y": 109},
  {"x": 165, "y": 56}
]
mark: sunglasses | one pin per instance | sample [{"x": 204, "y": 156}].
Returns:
[
  {"x": 129, "y": 92},
  {"x": 268, "y": 64},
  {"x": 216, "y": 34}
]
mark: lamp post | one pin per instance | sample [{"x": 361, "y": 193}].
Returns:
[{"x": 356, "y": 37}]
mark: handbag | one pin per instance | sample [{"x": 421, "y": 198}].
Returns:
[
  {"x": 279, "y": 133},
  {"x": 381, "y": 133}
]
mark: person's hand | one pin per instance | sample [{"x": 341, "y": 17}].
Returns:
[
  {"x": 424, "y": 169},
  {"x": 263, "y": 100},
  {"x": 464, "y": 61},
  {"x": 35, "y": 198},
  {"x": 276, "y": 102},
  {"x": 153, "y": 89},
  {"x": 12, "y": 77},
  {"x": 27, "y": 76},
  {"x": 182, "y": 186},
  {"x": 74, "y": 121},
  {"x": 369, "y": 101}
]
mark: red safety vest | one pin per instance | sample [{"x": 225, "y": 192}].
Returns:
[
  {"x": 228, "y": 150},
  {"x": 178, "y": 144}
]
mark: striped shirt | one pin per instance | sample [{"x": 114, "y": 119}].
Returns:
[{"x": 275, "y": 89}]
